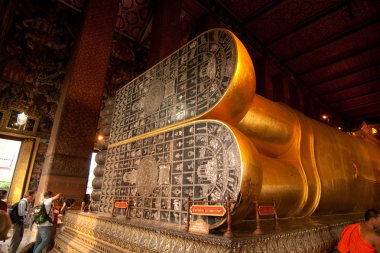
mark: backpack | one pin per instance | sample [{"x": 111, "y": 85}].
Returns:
[
  {"x": 40, "y": 215},
  {"x": 13, "y": 214}
]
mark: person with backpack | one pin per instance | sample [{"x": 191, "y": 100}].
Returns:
[
  {"x": 19, "y": 214},
  {"x": 5, "y": 225},
  {"x": 44, "y": 220}
]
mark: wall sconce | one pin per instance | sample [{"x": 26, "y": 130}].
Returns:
[
  {"x": 100, "y": 137},
  {"x": 326, "y": 118},
  {"x": 22, "y": 118}
]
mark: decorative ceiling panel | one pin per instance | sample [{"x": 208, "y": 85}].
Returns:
[
  {"x": 133, "y": 18},
  {"x": 286, "y": 16},
  {"x": 343, "y": 67},
  {"x": 369, "y": 112},
  {"x": 244, "y": 9},
  {"x": 349, "y": 80},
  {"x": 326, "y": 29},
  {"x": 368, "y": 87},
  {"x": 365, "y": 101},
  {"x": 194, "y": 8},
  {"x": 339, "y": 49},
  {"x": 74, "y": 4}
]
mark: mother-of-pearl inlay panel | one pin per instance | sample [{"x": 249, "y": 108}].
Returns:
[
  {"x": 183, "y": 86},
  {"x": 199, "y": 159}
]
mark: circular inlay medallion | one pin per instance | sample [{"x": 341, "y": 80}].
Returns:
[
  {"x": 154, "y": 96},
  {"x": 147, "y": 176}
]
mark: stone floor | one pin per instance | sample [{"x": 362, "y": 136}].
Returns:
[{"x": 29, "y": 236}]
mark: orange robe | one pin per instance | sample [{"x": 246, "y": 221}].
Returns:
[{"x": 352, "y": 241}]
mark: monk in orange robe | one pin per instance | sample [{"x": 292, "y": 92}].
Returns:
[{"x": 361, "y": 237}]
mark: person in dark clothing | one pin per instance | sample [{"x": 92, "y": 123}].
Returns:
[
  {"x": 85, "y": 206},
  {"x": 3, "y": 204},
  {"x": 18, "y": 227},
  {"x": 67, "y": 205}
]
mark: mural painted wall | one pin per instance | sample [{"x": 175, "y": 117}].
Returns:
[
  {"x": 35, "y": 52},
  {"x": 39, "y": 37}
]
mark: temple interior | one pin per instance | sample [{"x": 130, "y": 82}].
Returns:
[{"x": 195, "y": 126}]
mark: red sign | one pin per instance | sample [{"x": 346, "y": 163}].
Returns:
[
  {"x": 121, "y": 204},
  {"x": 207, "y": 210},
  {"x": 267, "y": 210}
]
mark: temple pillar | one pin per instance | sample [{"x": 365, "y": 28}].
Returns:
[
  {"x": 300, "y": 96},
  {"x": 309, "y": 105},
  {"x": 281, "y": 91},
  {"x": 277, "y": 88},
  {"x": 285, "y": 80},
  {"x": 166, "y": 30},
  {"x": 293, "y": 94},
  {"x": 264, "y": 84},
  {"x": 72, "y": 139}
]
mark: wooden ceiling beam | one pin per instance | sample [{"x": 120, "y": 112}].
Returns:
[
  {"x": 358, "y": 34},
  {"x": 365, "y": 112},
  {"x": 307, "y": 23},
  {"x": 345, "y": 73},
  {"x": 357, "y": 102},
  {"x": 359, "y": 89},
  {"x": 353, "y": 78},
  {"x": 262, "y": 11},
  {"x": 345, "y": 57},
  {"x": 352, "y": 85},
  {"x": 333, "y": 39}
]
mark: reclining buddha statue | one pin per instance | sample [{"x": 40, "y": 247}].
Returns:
[{"x": 193, "y": 126}]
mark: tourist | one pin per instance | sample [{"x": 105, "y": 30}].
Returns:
[
  {"x": 67, "y": 205},
  {"x": 85, "y": 206},
  {"x": 18, "y": 227},
  {"x": 57, "y": 205},
  {"x": 46, "y": 230},
  {"x": 3, "y": 204},
  {"x": 5, "y": 225}
]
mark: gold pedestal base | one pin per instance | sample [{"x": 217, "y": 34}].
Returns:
[{"x": 89, "y": 233}]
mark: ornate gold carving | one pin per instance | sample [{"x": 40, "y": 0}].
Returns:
[{"x": 87, "y": 232}]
